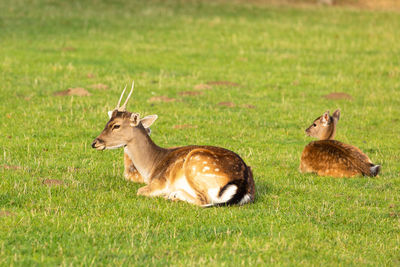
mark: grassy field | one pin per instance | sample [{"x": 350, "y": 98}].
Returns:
[{"x": 63, "y": 203}]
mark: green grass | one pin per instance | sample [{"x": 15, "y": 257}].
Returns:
[{"x": 285, "y": 59}]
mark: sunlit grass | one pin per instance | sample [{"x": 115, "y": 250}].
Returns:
[{"x": 283, "y": 59}]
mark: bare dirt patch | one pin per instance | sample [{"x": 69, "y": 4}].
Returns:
[
  {"x": 335, "y": 96},
  {"x": 223, "y": 83},
  {"x": 184, "y": 126},
  {"x": 363, "y": 4},
  {"x": 52, "y": 182},
  {"x": 248, "y": 106},
  {"x": 90, "y": 75},
  {"x": 370, "y": 4},
  {"x": 202, "y": 86},
  {"x": 5, "y": 213},
  {"x": 226, "y": 104},
  {"x": 161, "y": 98},
  {"x": 73, "y": 91},
  {"x": 190, "y": 93},
  {"x": 10, "y": 167},
  {"x": 100, "y": 86}
]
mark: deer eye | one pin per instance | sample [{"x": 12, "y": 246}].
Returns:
[
  {"x": 314, "y": 125},
  {"x": 116, "y": 126}
]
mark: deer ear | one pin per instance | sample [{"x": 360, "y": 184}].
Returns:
[
  {"x": 135, "y": 119},
  {"x": 148, "y": 120},
  {"x": 336, "y": 114},
  {"x": 325, "y": 118},
  {"x": 111, "y": 113}
]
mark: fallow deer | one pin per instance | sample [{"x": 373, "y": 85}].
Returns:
[
  {"x": 201, "y": 175},
  {"x": 328, "y": 157}
]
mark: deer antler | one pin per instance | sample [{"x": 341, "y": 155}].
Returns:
[
  {"x": 120, "y": 98},
  {"x": 130, "y": 93},
  {"x": 123, "y": 108}
]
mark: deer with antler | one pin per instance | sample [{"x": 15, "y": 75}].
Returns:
[
  {"x": 329, "y": 157},
  {"x": 201, "y": 175}
]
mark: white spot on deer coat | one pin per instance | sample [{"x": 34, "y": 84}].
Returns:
[{"x": 206, "y": 169}]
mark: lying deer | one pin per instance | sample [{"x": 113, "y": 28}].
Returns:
[
  {"x": 328, "y": 157},
  {"x": 201, "y": 175}
]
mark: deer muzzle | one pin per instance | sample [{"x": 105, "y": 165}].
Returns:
[
  {"x": 308, "y": 131},
  {"x": 98, "y": 144}
]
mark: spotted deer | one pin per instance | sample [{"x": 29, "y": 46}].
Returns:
[
  {"x": 201, "y": 175},
  {"x": 328, "y": 157}
]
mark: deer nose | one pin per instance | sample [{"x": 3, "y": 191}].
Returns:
[{"x": 95, "y": 141}]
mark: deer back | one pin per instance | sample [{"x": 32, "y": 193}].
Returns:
[{"x": 334, "y": 158}]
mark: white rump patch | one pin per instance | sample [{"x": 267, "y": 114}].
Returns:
[
  {"x": 227, "y": 195},
  {"x": 246, "y": 199}
]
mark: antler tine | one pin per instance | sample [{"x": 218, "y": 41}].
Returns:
[
  {"x": 120, "y": 98},
  {"x": 130, "y": 93}
]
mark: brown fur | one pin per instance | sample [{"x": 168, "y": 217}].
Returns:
[
  {"x": 196, "y": 174},
  {"x": 251, "y": 189},
  {"x": 130, "y": 171},
  {"x": 328, "y": 157},
  {"x": 334, "y": 158},
  {"x": 132, "y": 174},
  {"x": 204, "y": 167}
]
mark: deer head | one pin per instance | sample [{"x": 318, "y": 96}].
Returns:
[
  {"x": 122, "y": 127},
  {"x": 324, "y": 127}
]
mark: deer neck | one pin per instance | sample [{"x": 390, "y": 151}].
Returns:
[
  {"x": 144, "y": 153},
  {"x": 331, "y": 132}
]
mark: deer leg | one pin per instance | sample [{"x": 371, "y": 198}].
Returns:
[
  {"x": 184, "y": 196},
  {"x": 154, "y": 189},
  {"x": 130, "y": 172}
]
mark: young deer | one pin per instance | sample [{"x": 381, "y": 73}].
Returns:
[
  {"x": 201, "y": 175},
  {"x": 328, "y": 157}
]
